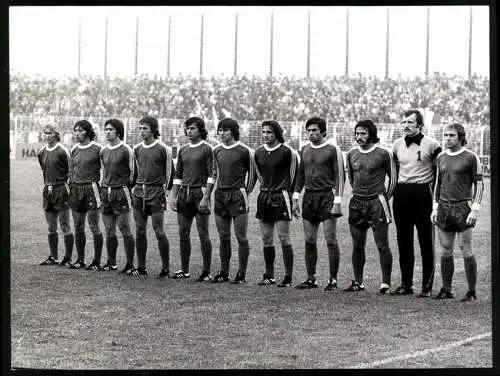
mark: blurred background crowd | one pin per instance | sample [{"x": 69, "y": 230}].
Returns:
[{"x": 285, "y": 98}]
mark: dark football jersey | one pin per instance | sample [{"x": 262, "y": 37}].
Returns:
[
  {"x": 367, "y": 170},
  {"x": 194, "y": 164},
  {"x": 456, "y": 174},
  {"x": 55, "y": 164},
  {"x": 276, "y": 167},
  {"x": 154, "y": 163},
  {"x": 234, "y": 167},
  {"x": 118, "y": 165},
  {"x": 321, "y": 168},
  {"x": 86, "y": 163}
]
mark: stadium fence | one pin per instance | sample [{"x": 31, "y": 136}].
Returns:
[{"x": 26, "y": 135}]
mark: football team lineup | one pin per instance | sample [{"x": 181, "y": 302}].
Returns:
[
  {"x": 442, "y": 189},
  {"x": 113, "y": 321}
]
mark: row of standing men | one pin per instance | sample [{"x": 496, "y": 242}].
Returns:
[{"x": 429, "y": 187}]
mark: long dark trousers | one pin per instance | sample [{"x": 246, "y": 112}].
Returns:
[{"x": 412, "y": 207}]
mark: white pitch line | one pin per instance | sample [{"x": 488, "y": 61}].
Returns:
[{"x": 423, "y": 352}]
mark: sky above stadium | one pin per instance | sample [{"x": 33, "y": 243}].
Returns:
[{"x": 44, "y": 40}]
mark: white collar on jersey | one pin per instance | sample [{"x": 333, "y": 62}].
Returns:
[
  {"x": 273, "y": 148},
  {"x": 111, "y": 147},
  {"x": 323, "y": 144},
  {"x": 80, "y": 146},
  {"x": 53, "y": 147},
  {"x": 196, "y": 145},
  {"x": 231, "y": 146},
  {"x": 369, "y": 150},
  {"x": 156, "y": 141},
  {"x": 452, "y": 153}
]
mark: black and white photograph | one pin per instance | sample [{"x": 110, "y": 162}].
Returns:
[{"x": 250, "y": 187}]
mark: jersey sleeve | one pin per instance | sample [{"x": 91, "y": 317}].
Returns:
[
  {"x": 40, "y": 157},
  {"x": 437, "y": 185},
  {"x": 477, "y": 181},
  {"x": 179, "y": 168},
  {"x": 169, "y": 168},
  {"x": 350, "y": 172},
  {"x": 209, "y": 162},
  {"x": 294, "y": 168},
  {"x": 299, "y": 184},
  {"x": 215, "y": 168},
  {"x": 392, "y": 173},
  {"x": 252, "y": 174},
  {"x": 339, "y": 174},
  {"x": 257, "y": 171}
]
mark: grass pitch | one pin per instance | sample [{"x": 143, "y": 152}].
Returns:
[{"x": 78, "y": 319}]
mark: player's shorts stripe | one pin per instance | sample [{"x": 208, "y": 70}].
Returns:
[
  {"x": 288, "y": 204},
  {"x": 245, "y": 197},
  {"x": 127, "y": 196},
  {"x": 386, "y": 208},
  {"x": 96, "y": 194}
]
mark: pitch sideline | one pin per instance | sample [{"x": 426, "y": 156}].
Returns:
[{"x": 423, "y": 352}]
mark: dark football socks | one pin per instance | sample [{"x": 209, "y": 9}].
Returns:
[
  {"x": 471, "y": 272},
  {"x": 53, "y": 243},
  {"x": 185, "y": 250},
  {"x": 80, "y": 241},
  {"x": 358, "y": 264},
  {"x": 69, "y": 240},
  {"x": 129, "y": 245},
  {"x": 164, "y": 248},
  {"x": 206, "y": 254},
  {"x": 141, "y": 245},
  {"x": 288, "y": 259},
  {"x": 111, "y": 247},
  {"x": 98, "y": 244},
  {"x": 333, "y": 258},
  {"x": 225, "y": 255},
  {"x": 269, "y": 256},
  {"x": 386, "y": 265},
  {"x": 311, "y": 256},
  {"x": 447, "y": 270},
  {"x": 243, "y": 254}
]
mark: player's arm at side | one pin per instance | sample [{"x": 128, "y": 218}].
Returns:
[
  {"x": 252, "y": 173},
  {"x": 299, "y": 185},
  {"x": 339, "y": 173},
  {"x": 179, "y": 172},
  {"x": 392, "y": 173},
  {"x": 437, "y": 192},
  {"x": 435, "y": 153},
  {"x": 477, "y": 193},
  {"x": 212, "y": 178}
]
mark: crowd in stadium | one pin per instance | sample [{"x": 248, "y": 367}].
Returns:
[{"x": 338, "y": 98}]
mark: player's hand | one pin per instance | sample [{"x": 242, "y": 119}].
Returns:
[
  {"x": 336, "y": 210},
  {"x": 434, "y": 216},
  {"x": 472, "y": 218},
  {"x": 295, "y": 208},
  {"x": 203, "y": 207},
  {"x": 173, "y": 204}
]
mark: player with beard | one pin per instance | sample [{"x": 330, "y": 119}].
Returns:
[
  {"x": 321, "y": 173},
  {"x": 276, "y": 167},
  {"x": 368, "y": 165},
  {"x": 193, "y": 172},
  {"x": 234, "y": 175},
  {"x": 457, "y": 200},
  {"x": 54, "y": 161},
  {"x": 117, "y": 160},
  {"x": 155, "y": 171},
  {"x": 85, "y": 199}
]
